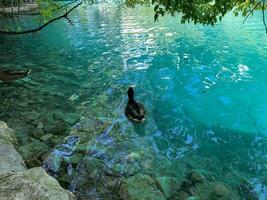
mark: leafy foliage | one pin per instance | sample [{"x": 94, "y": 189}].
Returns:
[
  {"x": 200, "y": 11},
  {"x": 207, "y": 12},
  {"x": 47, "y": 7}
]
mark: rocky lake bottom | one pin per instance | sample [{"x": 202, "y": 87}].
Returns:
[
  {"x": 205, "y": 132},
  {"x": 106, "y": 157}
]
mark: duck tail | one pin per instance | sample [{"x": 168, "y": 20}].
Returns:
[{"x": 130, "y": 94}]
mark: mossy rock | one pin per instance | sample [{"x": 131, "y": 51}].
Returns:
[
  {"x": 7, "y": 135},
  {"x": 32, "y": 184},
  {"x": 72, "y": 118},
  {"x": 140, "y": 187},
  {"x": 33, "y": 150}
]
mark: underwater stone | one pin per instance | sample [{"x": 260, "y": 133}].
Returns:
[
  {"x": 72, "y": 118},
  {"x": 220, "y": 190},
  {"x": 75, "y": 158},
  {"x": 215, "y": 190},
  {"x": 32, "y": 184},
  {"x": 46, "y": 137},
  {"x": 58, "y": 115},
  {"x": 52, "y": 164},
  {"x": 82, "y": 148},
  {"x": 32, "y": 116},
  {"x": 92, "y": 182},
  {"x": 183, "y": 195},
  {"x": 33, "y": 150},
  {"x": 197, "y": 177},
  {"x": 192, "y": 198},
  {"x": 140, "y": 187},
  {"x": 55, "y": 140},
  {"x": 132, "y": 156},
  {"x": 66, "y": 179},
  {"x": 56, "y": 127},
  {"x": 23, "y": 104},
  {"x": 168, "y": 184},
  {"x": 38, "y": 133},
  {"x": 60, "y": 153}
]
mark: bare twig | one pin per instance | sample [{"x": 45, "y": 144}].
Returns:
[
  {"x": 41, "y": 27},
  {"x": 251, "y": 11},
  {"x": 69, "y": 20},
  {"x": 263, "y": 15}
]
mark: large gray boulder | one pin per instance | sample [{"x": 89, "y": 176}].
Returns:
[
  {"x": 18, "y": 183},
  {"x": 7, "y": 135},
  {"x": 10, "y": 160},
  {"x": 33, "y": 184}
]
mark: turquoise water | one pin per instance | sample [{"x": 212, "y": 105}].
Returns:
[{"x": 204, "y": 89}]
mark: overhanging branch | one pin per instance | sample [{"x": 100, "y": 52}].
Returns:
[
  {"x": 43, "y": 26},
  {"x": 252, "y": 10},
  {"x": 263, "y": 15}
]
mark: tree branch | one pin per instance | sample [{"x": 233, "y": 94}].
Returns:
[
  {"x": 69, "y": 20},
  {"x": 263, "y": 15},
  {"x": 41, "y": 27},
  {"x": 252, "y": 10}
]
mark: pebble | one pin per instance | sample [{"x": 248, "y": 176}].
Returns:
[
  {"x": 72, "y": 118},
  {"x": 32, "y": 116},
  {"x": 192, "y": 198},
  {"x": 220, "y": 190},
  {"x": 197, "y": 177},
  {"x": 58, "y": 115},
  {"x": 38, "y": 133},
  {"x": 46, "y": 137},
  {"x": 183, "y": 195}
]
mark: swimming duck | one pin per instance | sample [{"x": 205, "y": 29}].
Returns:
[
  {"x": 134, "y": 111},
  {"x": 11, "y": 75}
]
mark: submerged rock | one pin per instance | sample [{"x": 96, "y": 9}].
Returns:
[
  {"x": 58, "y": 115},
  {"x": 246, "y": 191},
  {"x": 46, "y": 137},
  {"x": 52, "y": 126},
  {"x": 168, "y": 185},
  {"x": 32, "y": 116},
  {"x": 38, "y": 132},
  {"x": 196, "y": 177},
  {"x": 32, "y": 152},
  {"x": 93, "y": 182},
  {"x": 72, "y": 118},
  {"x": 215, "y": 190},
  {"x": 220, "y": 190},
  {"x": 32, "y": 184},
  {"x": 61, "y": 152},
  {"x": 141, "y": 187},
  {"x": 18, "y": 183}
]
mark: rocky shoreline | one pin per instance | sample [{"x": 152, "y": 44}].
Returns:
[
  {"x": 90, "y": 177},
  {"x": 18, "y": 182},
  {"x": 17, "y": 9}
]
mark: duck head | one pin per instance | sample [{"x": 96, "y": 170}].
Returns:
[{"x": 130, "y": 93}]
